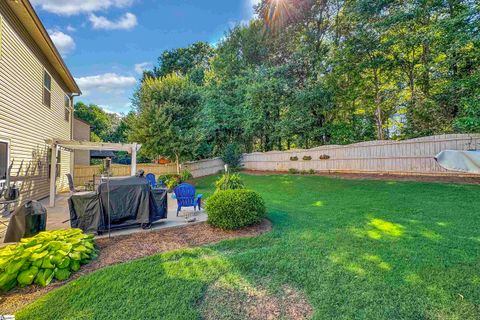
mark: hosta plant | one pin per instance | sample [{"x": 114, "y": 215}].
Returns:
[{"x": 48, "y": 255}]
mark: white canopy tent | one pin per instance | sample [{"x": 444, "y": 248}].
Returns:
[{"x": 71, "y": 145}]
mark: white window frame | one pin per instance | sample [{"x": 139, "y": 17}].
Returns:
[
  {"x": 69, "y": 108},
  {"x": 44, "y": 87},
  {"x": 8, "y": 142}
]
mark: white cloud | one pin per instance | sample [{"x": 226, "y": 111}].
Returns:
[
  {"x": 105, "y": 83},
  {"x": 73, "y": 7},
  {"x": 140, "y": 67},
  {"x": 70, "y": 28},
  {"x": 128, "y": 21},
  {"x": 64, "y": 43},
  {"x": 109, "y": 109}
]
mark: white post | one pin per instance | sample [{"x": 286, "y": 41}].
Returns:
[
  {"x": 53, "y": 174},
  {"x": 72, "y": 164},
  {"x": 134, "y": 159}
]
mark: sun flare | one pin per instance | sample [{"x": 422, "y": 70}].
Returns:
[{"x": 277, "y": 13}]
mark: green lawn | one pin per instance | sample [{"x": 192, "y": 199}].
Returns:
[{"x": 355, "y": 249}]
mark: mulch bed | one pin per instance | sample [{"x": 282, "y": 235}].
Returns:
[
  {"x": 130, "y": 247},
  {"x": 387, "y": 177}
]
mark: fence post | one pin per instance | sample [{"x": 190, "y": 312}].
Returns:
[{"x": 134, "y": 160}]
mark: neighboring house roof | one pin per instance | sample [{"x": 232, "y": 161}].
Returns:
[
  {"x": 101, "y": 154},
  {"x": 26, "y": 14}
]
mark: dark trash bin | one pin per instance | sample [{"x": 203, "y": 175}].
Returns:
[{"x": 26, "y": 221}]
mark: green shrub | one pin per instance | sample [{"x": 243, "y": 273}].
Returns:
[
  {"x": 235, "y": 209},
  {"x": 295, "y": 158},
  {"x": 185, "y": 175},
  {"x": 173, "y": 181},
  {"x": 165, "y": 178},
  {"x": 48, "y": 255},
  {"x": 293, "y": 171},
  {"x": 229, "y": 182},
  {"x": 312, "y": 171},
  {"x": 307, "y": 158},
  {"x": 232, "y": 155}
]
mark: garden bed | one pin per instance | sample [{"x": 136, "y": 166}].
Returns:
[
  {"x": 379, "y": 176},
  {"x": 130, "y": 247}
]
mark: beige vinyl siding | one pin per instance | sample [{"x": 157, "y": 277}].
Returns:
[{"x": 24, "y": 120}]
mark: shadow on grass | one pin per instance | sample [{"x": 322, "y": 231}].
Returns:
[{"x": 372, "y": 249}]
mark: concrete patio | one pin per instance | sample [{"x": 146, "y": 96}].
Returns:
[{"x": 57, "y": 216}]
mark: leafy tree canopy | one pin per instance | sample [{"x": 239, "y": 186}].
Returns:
[{"x": 311, "y": 72}]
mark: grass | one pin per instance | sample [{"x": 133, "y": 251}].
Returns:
[{"x": 356, "y": 250}]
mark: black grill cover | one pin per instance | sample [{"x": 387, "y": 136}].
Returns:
[
  {"x": 86, "y": 212},
  {"x": 160, "y": 199},
  {"x": 131, "y": 202}
]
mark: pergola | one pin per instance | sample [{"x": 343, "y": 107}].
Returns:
[{"x": 71, "y": 145}]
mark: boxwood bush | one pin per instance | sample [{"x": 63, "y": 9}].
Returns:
[
  {"x": 48, "y": 255},
  {"x": 235, "y": 209}
]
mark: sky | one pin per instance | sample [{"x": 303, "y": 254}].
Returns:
[{"x": 108, "y": 43}]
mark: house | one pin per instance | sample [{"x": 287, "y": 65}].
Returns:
[
  {"x": 36, "y": 98},
  {"x": 81, "y": 132}
]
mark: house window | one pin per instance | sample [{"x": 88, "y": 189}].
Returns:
[
  {"x": 67, "y": 108},
  {"x": 47, "y": 89},
  {"x": 3, "y": 160}
]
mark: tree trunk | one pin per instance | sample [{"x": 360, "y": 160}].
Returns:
[
  {"x": 378, "y": 107},
  {"x": 177, "y": 162},
  {"x": 426, "y": 71}
]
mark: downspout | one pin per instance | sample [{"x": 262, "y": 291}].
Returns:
[{"x": 72, "y": 153}]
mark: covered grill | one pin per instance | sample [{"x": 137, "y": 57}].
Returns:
[{"x": 119, "y": 203}]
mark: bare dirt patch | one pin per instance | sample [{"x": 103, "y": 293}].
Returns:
[
  {"x": 227, "y": 301},
  {"x": 386, "y": 177},
  {"x": 130, "y": 247}
]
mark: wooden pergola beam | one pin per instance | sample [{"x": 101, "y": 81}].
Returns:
[{"x": 57, "y": 144}]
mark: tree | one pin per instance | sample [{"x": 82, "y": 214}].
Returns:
[
  {"x": 121, "y": 130},
  {"x": 310, "y": 72},
  {"x": 266, "y": 100},
  {"x": 167, "y": 118},
  {"x": 100, "y": 121},
  {"x": 191, "y": 61}
]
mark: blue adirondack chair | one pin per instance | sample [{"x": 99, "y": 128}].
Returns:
[
  {"x": 185, "y": 195},
  {"x": 152, "y": 180}
]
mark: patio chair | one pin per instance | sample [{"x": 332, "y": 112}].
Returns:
[
  {"x": 152, "y": 180},
  {"x": 185, "y": 195},
  {"x": 71, "y": 186}
]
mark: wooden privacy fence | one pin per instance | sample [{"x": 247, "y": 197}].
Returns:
[
  {"x": 408, "y": 157},
  {"x": 84, "y": 174},
  {"x": 204, "y": 168}
]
